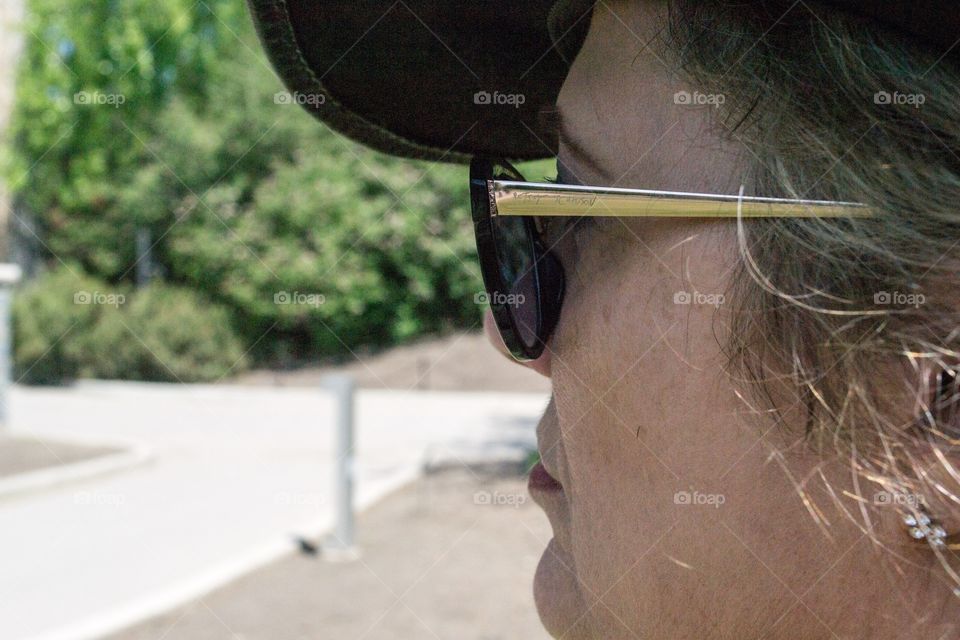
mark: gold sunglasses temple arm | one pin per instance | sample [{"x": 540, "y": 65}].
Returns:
[{"x": 520, "y": 199}]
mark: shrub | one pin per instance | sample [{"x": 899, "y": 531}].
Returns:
[
  {"x": 164, "y": 333},
  {"x": 69, "y": 325},
  {"x": 50, "y": 317},
  {"x": 326, "y": 254}
]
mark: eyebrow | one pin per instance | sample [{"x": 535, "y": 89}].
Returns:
[{"x": 552, "y": 122}]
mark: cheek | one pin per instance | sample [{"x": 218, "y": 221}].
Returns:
[
  {"x": 644, "y": 411},
  {"x": 631, "y": 365},
  {"x": 615, "y": 376}
]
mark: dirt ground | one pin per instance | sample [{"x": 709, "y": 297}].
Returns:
[
  {"x": 458, "y": 362},
  {"x": 20, "y": 455},
  {"x": 450, "y": 556}
]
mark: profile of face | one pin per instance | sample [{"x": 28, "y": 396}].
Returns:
[{"x": 679, "y": 511}]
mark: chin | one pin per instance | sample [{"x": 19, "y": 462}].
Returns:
[{"x": 556, "y": 591}]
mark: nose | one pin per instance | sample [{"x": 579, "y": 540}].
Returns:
[{"x": 541, "y": 365}]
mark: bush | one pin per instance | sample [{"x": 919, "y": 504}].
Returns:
[
  {"x": 166, "y": 334},
  {"x": 67, "y": 325},
  {"x": 325, "y": 255},
  {"x": 50, "y": 317}
]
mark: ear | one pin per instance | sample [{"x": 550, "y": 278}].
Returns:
[
  {"x": 939, "y": 413},
  {"x": 937, "y": 454}
]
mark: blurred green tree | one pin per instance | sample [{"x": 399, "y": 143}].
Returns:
[
  {"x": 93, "y": 78},
  {"x": 165, "y": 117}
]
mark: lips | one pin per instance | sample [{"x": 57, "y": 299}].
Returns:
[
  {"x": 544, "y": 484},
  {"x": 543, "y": 475},
  {"x": 541, "y": 480}
]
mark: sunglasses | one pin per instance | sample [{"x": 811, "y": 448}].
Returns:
[{"x": 524, "y": 281}]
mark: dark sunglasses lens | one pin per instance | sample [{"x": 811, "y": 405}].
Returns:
[{"x": 515, "y": 255}]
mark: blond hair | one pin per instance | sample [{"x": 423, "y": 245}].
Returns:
[{"x": 846, "y": 312}]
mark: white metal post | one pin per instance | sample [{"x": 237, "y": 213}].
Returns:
[
  {"x": 340, "y": 546},
  {"x": 9, "y": 277}
]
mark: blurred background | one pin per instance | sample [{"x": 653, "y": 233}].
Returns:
[{"x": 220, "y": 322}]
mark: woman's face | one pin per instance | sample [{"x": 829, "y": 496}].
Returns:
[{"x": 674, "y": 519}]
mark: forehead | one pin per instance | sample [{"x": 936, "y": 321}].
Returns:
[{"x": 619, "y": 105}]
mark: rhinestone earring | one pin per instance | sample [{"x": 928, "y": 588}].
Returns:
[{"x": 922, "y": 528}]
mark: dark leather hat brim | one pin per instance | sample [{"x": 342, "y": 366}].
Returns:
[
  {"x": 449, "y": 80},
  {"x": 420, "y": 78}
]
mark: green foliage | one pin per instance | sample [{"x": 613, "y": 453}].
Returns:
[
  {"x": 387, "y": 268},
  {"x": 69, "y": 325},
  {"x": 245, "y": 196},
  {"x": 51, "y": 316},
  {"x": 164, "y": 333},
  {"x": 93, "y": 77}
]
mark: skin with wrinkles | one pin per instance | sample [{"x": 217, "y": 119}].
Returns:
[{"x": 642, "y": 413}]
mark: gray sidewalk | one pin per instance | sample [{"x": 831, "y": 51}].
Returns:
[
  {"x": 440, "y": 560},
  {"x": 236, "y": 474}
]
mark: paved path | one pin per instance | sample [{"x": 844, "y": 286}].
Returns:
[
  {"x": 437, "y": 564},
  {"x": 237, "y": 472}
]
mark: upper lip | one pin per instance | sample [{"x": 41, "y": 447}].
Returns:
[
  {"x": 547, "y": 441},
  {"x": 549, "y": 469}
]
